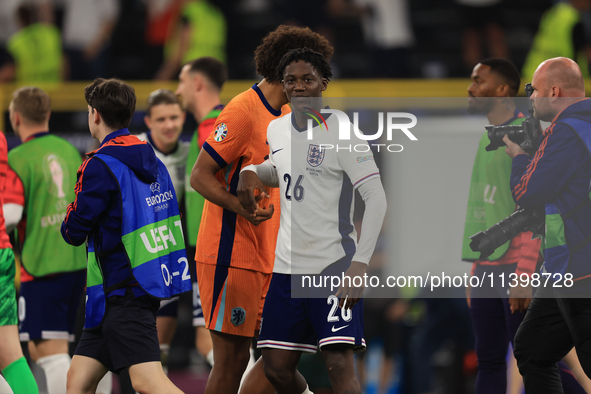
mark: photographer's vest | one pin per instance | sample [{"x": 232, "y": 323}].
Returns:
[
  {"x": 208, "y": 33},
  {"x": 490, "y": 199},
  {"x": 194, "y": 201},
  {"x": 37, "y": 52},
  {"x": 554, "y": 39},
  {"x": 556, "y": 250},
  {"x": 47, "y": 167},
  {"x": 152, "y": 238}
]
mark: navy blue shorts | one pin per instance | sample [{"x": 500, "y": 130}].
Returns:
[
  {"x": 48, "y": 306},
  {"x": 127, "y": 336},
  {"x": 169, "y": 308},
  {"x": 304, "y": 324}
]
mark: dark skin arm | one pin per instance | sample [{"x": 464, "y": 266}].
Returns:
[
  {"x": 203, "y": 180},
  {"x": 350, "y": 295},
  {"x": 248, "y": 183}
]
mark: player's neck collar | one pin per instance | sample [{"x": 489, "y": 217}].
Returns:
[
  {"x": 273, "y": 111},
  {"x": 151, "y": 141},
  {"x": 299, "y": 129}
]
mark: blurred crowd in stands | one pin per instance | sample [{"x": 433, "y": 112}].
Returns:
[{"x": 54, "y": 40}]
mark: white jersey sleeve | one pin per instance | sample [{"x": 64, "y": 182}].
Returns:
[
  {"x": 12, "y": 215},
  {"x": 374, "y": 197},
  {"x": 266, "y": 172}
]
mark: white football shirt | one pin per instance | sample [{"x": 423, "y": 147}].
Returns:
[
  {"x": 317, "y": 187},
  {"x": 175, "y": 162}
]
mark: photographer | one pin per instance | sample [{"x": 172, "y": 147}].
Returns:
[
  {"x": 494, "y": 316},
  {"x": 558, "y": 176}
]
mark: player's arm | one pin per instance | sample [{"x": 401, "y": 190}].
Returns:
[
  {"x": 374, "y": 197},
  {"x": 204, "y": 182},
  {"x": 7, "y": 66},
  {"x": 173, "y": 63},
  {"x": 266, "y": 173},
  {"x": 529, "y": 252},
  {"x": 95, "y": 189},
  {"x": 256, "y": 177},
  {"x": 538, "y": 181},
  {"x": 14, "y": 200},
  {"x": 365, "y": 176}
]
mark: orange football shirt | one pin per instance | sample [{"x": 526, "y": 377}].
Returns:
[{"x": 239, "y": 139}]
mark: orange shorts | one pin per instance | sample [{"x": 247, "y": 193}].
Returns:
[{"x": 232, "y": 298}]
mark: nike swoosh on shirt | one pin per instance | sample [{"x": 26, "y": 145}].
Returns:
[
  {"x": 275, "y": 151},
  {"x": 338, "y": 329}
]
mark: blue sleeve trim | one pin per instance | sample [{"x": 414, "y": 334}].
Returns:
[{"x": 218, "y": 159}]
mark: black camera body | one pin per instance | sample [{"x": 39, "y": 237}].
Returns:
[{"x": 526, "y": 134}]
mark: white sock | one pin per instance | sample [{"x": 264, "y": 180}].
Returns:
[
  {"x": 56, "y": 371},
  {"x": 105, "y": 386},
  {"x": 209, "y": 357},
  {"x": 4, "y": 387},
  {"x": 164, "y": 352}
]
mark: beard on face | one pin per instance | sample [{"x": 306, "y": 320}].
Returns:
[{"x": 480, "y": 105}]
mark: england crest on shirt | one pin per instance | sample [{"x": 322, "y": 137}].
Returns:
[{"x": 315, "y": 155}]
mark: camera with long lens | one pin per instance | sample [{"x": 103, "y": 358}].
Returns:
[
  {"x": 526, "y": 134},
  {"x": 519, "y": 221}
]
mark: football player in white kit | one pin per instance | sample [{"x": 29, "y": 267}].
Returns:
[
  {"x": 165, "y": 118},
  {"x": 316, "y": 234}
]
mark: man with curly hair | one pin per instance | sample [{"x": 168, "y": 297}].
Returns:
[{"x": 236, "y": 250}]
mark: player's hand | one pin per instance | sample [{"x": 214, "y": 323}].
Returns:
[
  {"x": 248, "y": 183},
  {"x": 350, "y": 295},
  {"x": 261, "y": 215},
  {"x": 512, "y": 148},
  {"x": 519, "y": 298}
]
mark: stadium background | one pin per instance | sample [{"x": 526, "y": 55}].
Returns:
[{"x": 436, "y": 69}]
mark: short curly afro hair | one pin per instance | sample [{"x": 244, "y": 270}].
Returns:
[
  {"x": 282, "y": 40},
  {"x": 309, "y": 56}
]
